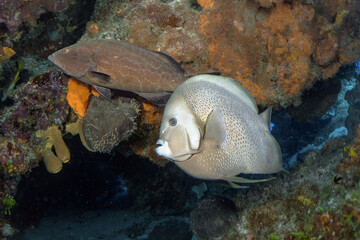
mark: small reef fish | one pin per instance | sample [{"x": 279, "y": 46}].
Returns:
[
  {"x": 212, "y": 130},
  {"x": 111, "y": 64}
]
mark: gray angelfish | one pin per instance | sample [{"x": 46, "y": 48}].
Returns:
[{"x": 212, "y": 130}]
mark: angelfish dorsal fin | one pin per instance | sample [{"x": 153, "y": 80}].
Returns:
[
  {"x": 266, "y": 116},
  {"x": 215, "y": 129}
]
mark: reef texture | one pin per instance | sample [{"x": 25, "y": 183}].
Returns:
[
  {"x": 144, "y": 140},
  {"x": 34, "y": 113},
  {"x": 317, "y": 100},
  {"x": 5, "y": 54},
  {"x": 276, "y": 49},
  {"x": 318, "y": 200},
  {"x": 107, "y": 123},
  {"x": 354, "y": 109},
  {"x": 14, "y": 12},
  {"x": 38, "y": 104}
]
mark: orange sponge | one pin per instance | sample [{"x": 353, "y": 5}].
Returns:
[
  {"x": 78, "y": 96},
  {"x": 206, "y": 3},
  {"x": 151, "y": 114}
]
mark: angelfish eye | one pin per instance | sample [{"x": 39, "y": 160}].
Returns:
[
  {"x": 173, "y": 122},
  {"x": 66, "y": 50}
]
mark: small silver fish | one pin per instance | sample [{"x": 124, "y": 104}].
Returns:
[{"x": 212, "y": 130}]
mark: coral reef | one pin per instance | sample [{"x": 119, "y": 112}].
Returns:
[
  {"x": 38, "y": 104},
  {"x": 144, "y": 140},
  {"x": 354, "y": 109},
  {"x": 317, "y": 100},
  {"x": 276, "y": 49},
  {"x": 14, "y": 12},
  {"x": 107, "y": 123},
  {"x": 5, "y": 54},
  {"x": 32, "y": 97},
  {"x": 317, "y": 200},
  {"x": 268, "y": 3},
  {"x": 277, "y": 65},
  {"x": 16, "y": 156}
]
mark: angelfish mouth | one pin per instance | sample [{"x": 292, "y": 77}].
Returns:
[
  {"x": 160, "y": 143},
  {"x": 163, "y": 148}
]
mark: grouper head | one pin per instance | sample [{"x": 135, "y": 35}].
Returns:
[{"x": 74, "y": 60}]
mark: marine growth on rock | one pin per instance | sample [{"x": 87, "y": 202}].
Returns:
[
  {"x": 276, "y": 49},
  {"x": 107, "y": 123}
]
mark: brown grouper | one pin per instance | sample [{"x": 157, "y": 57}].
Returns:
[{"x": 111, "y": 64}]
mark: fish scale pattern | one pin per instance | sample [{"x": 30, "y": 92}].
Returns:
[{"x": 244, "y": 149}]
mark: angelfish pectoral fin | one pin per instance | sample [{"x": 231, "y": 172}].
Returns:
[
  {"x": 233, "y": 180},
  {"x": 266, "y": 116},
  {"x": 215, "y": 127},
  {"x": 233, "y": 185}
]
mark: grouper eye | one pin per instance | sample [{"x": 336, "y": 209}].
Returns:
[
  {"x": 173, "y": 122},
  {"x": 65, "y": 50}
]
